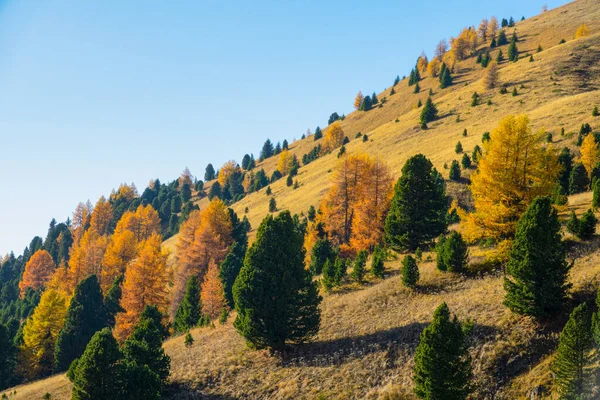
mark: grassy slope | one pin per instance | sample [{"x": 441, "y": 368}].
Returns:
[{"x": 368, "y": 336}]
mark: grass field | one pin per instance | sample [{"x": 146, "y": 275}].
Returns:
[{"x": 368, "y": 335}]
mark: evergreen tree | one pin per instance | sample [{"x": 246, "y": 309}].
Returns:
[
  {"x": 7, "y": 357},
  {"x": 188, "y": 312},
  {"x": 502, "y": 40},
  {"x": 596, "y": 193},
  {"x": 321, "y": 252},
  {"x": 328, "y": 278},
  {"x": 417, "y": 88},
  {"x": 453, "y": 253},
  {"x": 466, "y": 161},
  {"x": 340, "y": 268},
  {"x": 596, "y": 321},
  {"x": 476, "y": 155},
  {"x": 397, "y": 80},
  {"x": 458, "y": 149},
  {"x": 537, "y": 266},
  {"x": 454, "y": 173},
  {"x": 85, "y": 317},
  {"x": 98, "y": 373},
  {"x": 410, "y": 272},
  {"x": 367, "y": 103},
  {"x": 246, "y": 162},
  {"x": 112, "y": 301},
  {"x": 144, "y": 346},
  {"x": 429, "y": 112},
  {"x": 272, "y": 205},
  {"x": 358, "y": 272},
  {"x": 504, "y": 23},
  {"x": 566, "y": 161},
  {"x": 493, "y": 43},
  {"x": 274, "y": 264},
  {"x": 442, "y": 362},
  {"x": 587, "y": 225},
  {"x": 215, "y": 191},
  {"x": 377, "y": 264},
  {"x": 572, "y": 355},
  {"x": 500, "y": 56},
  {"x": 318, "y": 134},
  {"x": 445, "y": 79},
  {"x": 230, "y": 268},
  {"x": 332, "y": 118},
  {"x": 578, "y": 181},
  {"x": 209, "y": 173},
  {"x": 418, "y": 208},
  {"x": 289, "y": 181},
  {"x": 374, "y": 99},
  {"x": 392, "y": 92}
]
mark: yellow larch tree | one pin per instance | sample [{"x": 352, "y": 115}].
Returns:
[
  {"x": 121, "y": 250},
  {"x": 226, "y": 170},
  {"x": 515, "y": 167},
  {"x": 334, "y": 137},
  {"x": 285, "y": 161},
  {"x": 422, "y": 63},
  {"x": 186, "y": 178},
  {"x": 146, "y": 283},
  {"x": 358, "y": 100},
  {"x": 212, "y": 295},
  {"x": 38, "y": 271},
  {"x": 582, "y": 31},
  {"x": 40, "y": 333},
  {"x": 86, "y": 257},
  {"x": 125, "y": 191},
  {"x": 433, "y": 68},
  {"x": 492, "y": 28},
  {"x": 101, "y": 216},
  {"x": 81, "y": 220},
  {"x": 589, "y": 154},
  {"x": 204, "y": 238},
  {"x": 483, "y": 29},
  {"x": 143, "y": 223}
]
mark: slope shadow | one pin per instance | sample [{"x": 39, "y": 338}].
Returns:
[
  {"x": 179, "y": 391},
  {"x": 338, "y": 351}
]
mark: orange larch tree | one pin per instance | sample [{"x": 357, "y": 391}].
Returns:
[
  {"x": 101, "y": 216},
  {"x": 226, "y": 170},
  {"x": 121, "y": 249},
  {"x": 204, "y": 238},
  {"x": 143, "y": 223},
  {"x": 146, "y": 283},
  {"x": 212, "y": 294},
  {"x": 86, "y": 257},
  {"x": 81, "y": 220},
  {"x": 38, "y": 271}
]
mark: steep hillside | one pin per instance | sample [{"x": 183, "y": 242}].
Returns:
[{"x": 369, "y": 334}]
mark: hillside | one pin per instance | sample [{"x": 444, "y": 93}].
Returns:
[{"x": 369, "y": 333}]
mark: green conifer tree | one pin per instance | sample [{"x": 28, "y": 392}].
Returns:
[
  {"x": 85, "y": 317},
  {"x": 112, "y": 301},
  {"x": 377, "y": 263},
  {"x": 340, "y": 268},
  {"x": 359, "y": 271},
  {"x": 188, "y": 312},
  {"x": 537, "y": 266},
  {"x": 572, "y": 356},
  {"x": 442, "y": 362},
  {"x": 321, "y": 252},
  {"x": 230, "y": 268},
  {"x": 418, "y": 208},
  {"x": 578, "y": 181},
  {"x": 410, "y": 272},
  {"x": 328, "y": 278},
  {"x": 429, "y": 112},
  {"x": 454, "y": 172},
  {"x": 274, "y": 264}
]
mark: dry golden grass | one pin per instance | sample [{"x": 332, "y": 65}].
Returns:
[{"x": 369, "y": 334}]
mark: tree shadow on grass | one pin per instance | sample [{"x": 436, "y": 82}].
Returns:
[
  {"x": 181, "y": 391},
  {"x": 338, "y": 351}
]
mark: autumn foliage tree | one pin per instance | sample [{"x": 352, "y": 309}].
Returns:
[
  {"x": 358, "y": 100},
  {"x": 38, "y": 271},
  {"x": 204, "y": 238},
  {"x": 334, "y": 137},
  {"x": 589, "y": 154},
  {"x": 582, "y": 31},
  {"x": 490, "y": 76},
  {"x": 40, "y": 333},
  {"x": 212, "y": 295},
  {"x": 354, "y": 209},
  {"x": 515, "y": 167},
  {"x": 146, "y": 281}
]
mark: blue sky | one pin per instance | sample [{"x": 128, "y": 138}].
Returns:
[{"x": 95, "y": 93}]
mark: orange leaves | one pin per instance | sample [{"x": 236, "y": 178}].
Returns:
[
  {"x": 121, "y": 249},
  {"x": 226, "y": 170},
  {"x": 86, "y": 257},
  {"x": 101, "y": 216},
  {"x": 358, "y": 100},
  {"x": 433, "y": 68},
  {"x": 212, "y": 294},
  {"x": 285, "y": 161},
  {"x": 204, "y": 238},
  {"x": 145, "y": 283},
  {"x": 355, "y": 207},
  {"x": 422, "y": 63},
  {"x": 582, "y": 31},
  {"x": 38, "y": 271},
  {"x": 334, "y": 137},
  {"x": 143, "y": 223},
  {"x": 515, "y": 168}
]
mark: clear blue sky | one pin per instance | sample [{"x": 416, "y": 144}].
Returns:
[{"x": 95, "y": 93}]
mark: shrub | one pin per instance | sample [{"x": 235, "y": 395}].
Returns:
[
  {"x": 452, "y": 253},
  {"x": 189, "y": 340},
  {"x": 595, "y": 112},
  {"x": 365, "y": 138}
]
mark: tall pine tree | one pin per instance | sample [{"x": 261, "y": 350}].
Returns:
[
  {"x": 188, "y": 312},
  {"x": 418, "y": 209},
  {"x": 275, "y": 298},
  {"x": 537, "y": 266},
  {"x": 442, "y": 362}
]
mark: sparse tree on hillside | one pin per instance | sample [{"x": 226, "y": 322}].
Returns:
[
  {"x": 440, "y": 49},
  {"x": 483, "y": 29},
  {"x": 589, "y": 154},
  {"x": 570, "y": 366},
  {"x": 209, "y": 173},
  {"x": 452, "y": 253},
  {"x": 537, "y": 263},
  {"x": 188, "y": 313},
  {"x": 358, "y": 101},
  {"x": 377, "y": 263},
  {"x": 272, "y": 205},
  {"x": 445, "y": 77},
  {"x": 418, "y": 209},
  {"x": 358, "y": 272},
  {"x": 274, "y": 264},
  {"x": 454, "y": 173},
  {"x": 267, "y": 150},
  {"x": 515, "y": 168},
  {"x": 410, "y": 272},
  {"x": 422, "y": 62},
  {"x": 582, "y": 31},
  {"x": 513, "y": 51},
  {"x": 334, "y": 137},
  {"x": 490, "y": 76},
  {"x": 433, "y": 68},
  {"x": 492, "y": 28},
  {"x": 442, "y": 362},
  {"x": 318, "y": 134},
  {"x": 429, "y": 112},
  {"x": 578, "y": 181}
]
